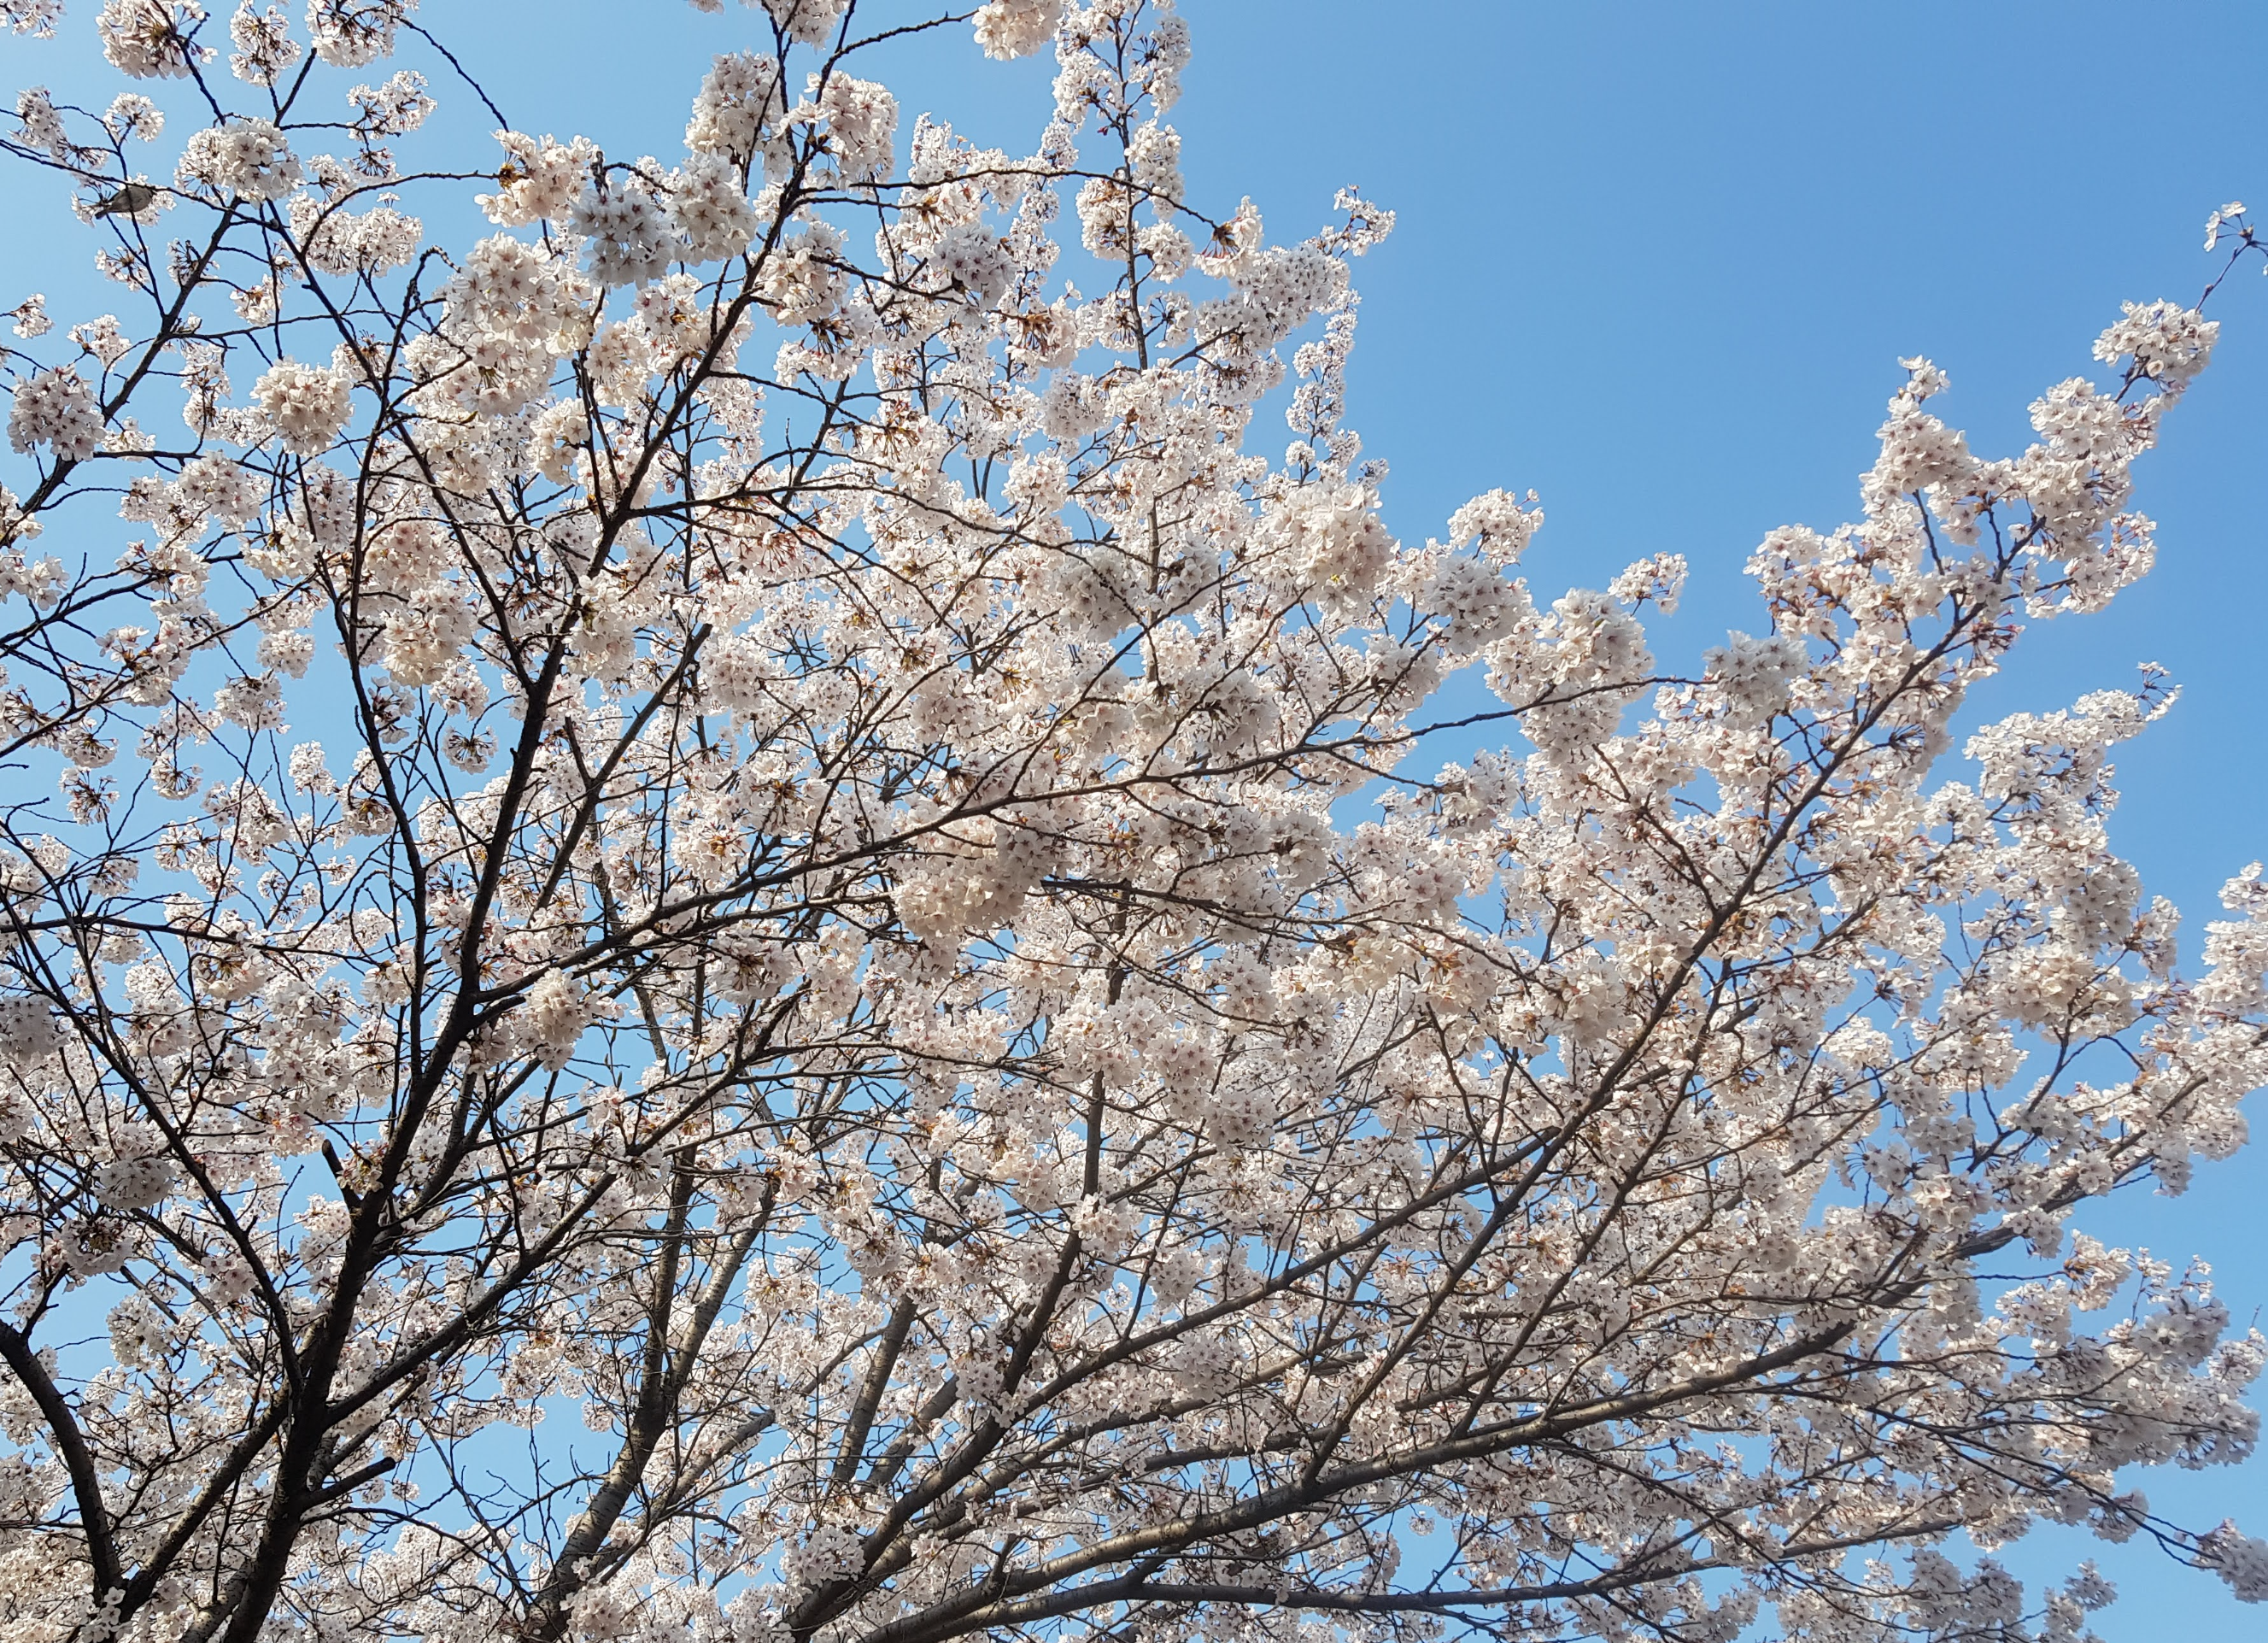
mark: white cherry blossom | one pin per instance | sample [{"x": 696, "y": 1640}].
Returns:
[{"x": 702, "y": 952}]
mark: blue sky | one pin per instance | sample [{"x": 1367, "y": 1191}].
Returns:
[{"x": 1659, "y": 262}]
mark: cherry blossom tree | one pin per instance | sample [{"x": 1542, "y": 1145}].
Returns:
[{"x": 697, "y": 945}]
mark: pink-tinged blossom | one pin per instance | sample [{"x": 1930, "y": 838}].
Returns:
[
  {"x": 55, "y": 409},
  {"x": 1016, "y": 28},
  {"x": 307, "y": 404},
  {"x": 151, "y": 39},
  {"x": 250, "y": 158}
]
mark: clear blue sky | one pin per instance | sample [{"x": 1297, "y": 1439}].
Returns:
[{"x": 1659, "y": 262}]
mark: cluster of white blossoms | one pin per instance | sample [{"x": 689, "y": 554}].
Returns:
[
  {"x": 308, "y": 404},
  {"x": 735, "y": 828},
  {"x": 249, "y": 158},
  {"x": 1017, "y": 28},
  {"x": 56, "y": 408},
  {"x": 152, "y": 39},
  {"x": 1753, "y": 676}
]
